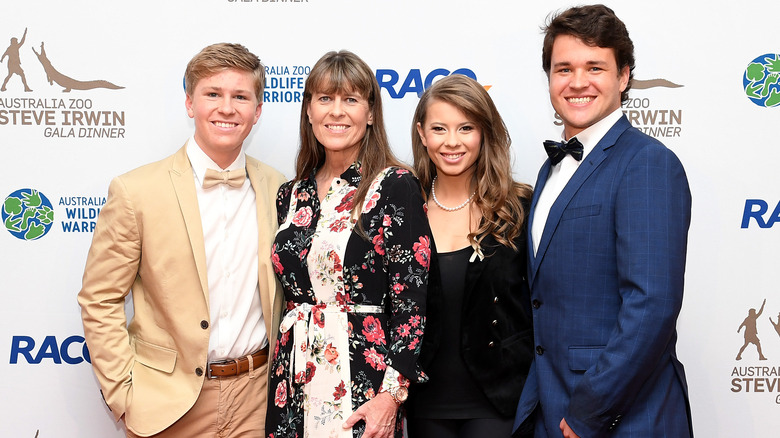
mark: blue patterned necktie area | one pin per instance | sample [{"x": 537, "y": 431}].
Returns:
[{"x": 556, "y": 150}]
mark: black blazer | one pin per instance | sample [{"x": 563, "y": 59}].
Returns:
[{"x": 496, "y": 332}]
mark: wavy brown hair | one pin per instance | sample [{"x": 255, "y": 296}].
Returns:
[
  {"x": 498, "y": 196},
  {"x": 344, "y": 72}
]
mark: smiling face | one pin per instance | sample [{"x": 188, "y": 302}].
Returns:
[
  {"x": 339, "y": 122},
  {"x": 585, "y": 83},
  {"x": 451, "y": 139},
  {"x": 225, "y": 108}
]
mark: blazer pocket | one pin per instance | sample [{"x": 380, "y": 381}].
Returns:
[
  {"x": 582, "y": 358},
  {"x": 155, "y": 356},
  {"x": 574, "y": 213}
]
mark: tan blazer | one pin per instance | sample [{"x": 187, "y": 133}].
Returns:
[{"x": 149, "y": 239}]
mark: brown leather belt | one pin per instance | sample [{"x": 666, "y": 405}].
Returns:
[{"x": 236, "y": 367}]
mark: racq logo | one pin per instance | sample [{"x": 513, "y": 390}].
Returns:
[
  {"x": 758, "y": 211},
  {"x": 71, "y": 350},
  {"x": 23, "y": 104},
  {"x": 414, "y": 82}
]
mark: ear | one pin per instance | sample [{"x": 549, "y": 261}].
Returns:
[
  {"x": 370, "y": 118},
  {"x": 188, "y": 105},
  {"x": 308, "y": 112},
  {"x": 623, "y": 78},
  {"x": 421, "y": 133},
  {"x": 258, "y": 111}
]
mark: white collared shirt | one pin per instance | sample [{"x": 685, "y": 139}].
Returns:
[
  {"x": 229, "y": 219},
  {"x": 561, "y": 173}
]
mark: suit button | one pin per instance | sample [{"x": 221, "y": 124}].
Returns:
[
  {"x": 198, "y": 371},
  {"x": 539, "y": 350},
  {"x": 491, "y": 344},
  {"x": 536, "y": 304},
  {"x": 495, "y": 299},
  {"x": 494, "y": 323},
  {"x": 204, "y": 324}
]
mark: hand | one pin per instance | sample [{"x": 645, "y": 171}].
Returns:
[
  {"x": 567, "y": 432},
  {"x": 379, "y": 415}
]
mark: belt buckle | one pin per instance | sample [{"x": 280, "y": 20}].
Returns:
[{"x": 221, "y": 362}]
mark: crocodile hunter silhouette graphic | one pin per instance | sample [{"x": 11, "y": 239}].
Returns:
[{"x": 53, "y": 76}]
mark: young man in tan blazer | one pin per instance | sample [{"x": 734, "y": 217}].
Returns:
[{"x": 191, "y": 237}]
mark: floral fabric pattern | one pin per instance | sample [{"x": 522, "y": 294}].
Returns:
[{"x": 355, "y": 302}]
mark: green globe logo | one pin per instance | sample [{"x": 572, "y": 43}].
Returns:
[
  {"x": 762, "y": 80},
  {"x": 27, "y": 214}
]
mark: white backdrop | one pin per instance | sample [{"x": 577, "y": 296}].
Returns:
[{"x": 727, "y": 143}]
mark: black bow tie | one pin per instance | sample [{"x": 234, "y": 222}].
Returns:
[{"x": 557, "y": 150}]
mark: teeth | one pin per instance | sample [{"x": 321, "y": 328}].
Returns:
[
  {"x": 225, "y": 125},
  {"x": 338, "y": 127},
  {"x": 579, "y": 99},
  {"x": 452, "y": 156}
]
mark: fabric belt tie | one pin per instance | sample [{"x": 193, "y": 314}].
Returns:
[
  {"x": 308, "y": 323},
  {"x": 236, "y": 367}
]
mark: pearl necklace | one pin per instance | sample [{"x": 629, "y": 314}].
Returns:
[{"x": 433, "y": 194}]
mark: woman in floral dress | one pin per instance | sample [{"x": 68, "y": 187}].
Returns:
[{"x": 352, "y": 255}]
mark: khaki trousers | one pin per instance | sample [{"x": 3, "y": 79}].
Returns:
[{"x": 228, "y": 407}]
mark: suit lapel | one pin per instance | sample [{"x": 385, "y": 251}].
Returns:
[
  {"x": 541, "y": 179},
  {"x": 184, "y": 186},
  {"x": 264, "y": 236},
  {"x": 587, "y": 167}
]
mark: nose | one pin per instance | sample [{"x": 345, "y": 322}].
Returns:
[
  {"x": 337, "y": 108},
  {"x": 451, "y": 138},
  {"x": 226, "y": 106},
  {"x": 579, "y": 79}
]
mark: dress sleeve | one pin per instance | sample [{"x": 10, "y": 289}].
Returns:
[{"x": 405, "y": 237}]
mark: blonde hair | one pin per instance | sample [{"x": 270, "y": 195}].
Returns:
[
  {"x": 223, "y": 56},
  {"x": 498, "y": 196}
]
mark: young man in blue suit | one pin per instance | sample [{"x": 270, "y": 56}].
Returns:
[{"x": 609, "y": 225}]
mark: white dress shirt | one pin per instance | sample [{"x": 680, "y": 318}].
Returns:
[
  {"x": 561, "y": 173},
  {"x": 229, "y": 219}
]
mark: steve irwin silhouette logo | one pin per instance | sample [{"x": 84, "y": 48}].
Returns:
[
  {"x": 750, "y": 324},
  {"x": 52, "y": 74}
]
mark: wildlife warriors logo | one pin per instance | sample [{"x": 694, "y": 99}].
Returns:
[
  {"x": 762, "y": 80},
  {"x": 53, "y": 76},
  {"x": 27, "y": 214}
]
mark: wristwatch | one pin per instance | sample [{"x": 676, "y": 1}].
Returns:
[{"x": 399, "y": 394}]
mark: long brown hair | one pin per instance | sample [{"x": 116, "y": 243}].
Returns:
[
  {"x": 344, "y": 72},
  {"x": 498, "y": 196}
]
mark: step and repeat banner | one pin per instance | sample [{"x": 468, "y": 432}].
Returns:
[{"x": 94, "y": 89}]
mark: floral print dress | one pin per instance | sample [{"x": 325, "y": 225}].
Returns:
[{"x": 355, "y": 311}]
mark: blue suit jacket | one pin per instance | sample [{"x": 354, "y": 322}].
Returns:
[{"x": 606, "y": 289}]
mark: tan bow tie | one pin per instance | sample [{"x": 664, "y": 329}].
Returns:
[{"x": 233, "y": 178}]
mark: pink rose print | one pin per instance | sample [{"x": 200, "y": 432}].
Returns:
[
  {"x": 375, "y": 359},
  {"x": 281, "y": 394},
  {"x": 346, "y": 202},
  {"x": 331, "y": 355},
  {"x": 278, "y": 268},
  {"x": 379, "y": 241},
  {"x": 371, "y": 202},
  {"x": 386, "y": 221},
  {"x": 303, "y": 217},
  {"x": 372, "y": 330},
  {"x": 398, "y": 288},
  {"x": 422, "y": 251},
  {"x": 318, "y": 317},
  {"x": 340, "y": 391}
]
